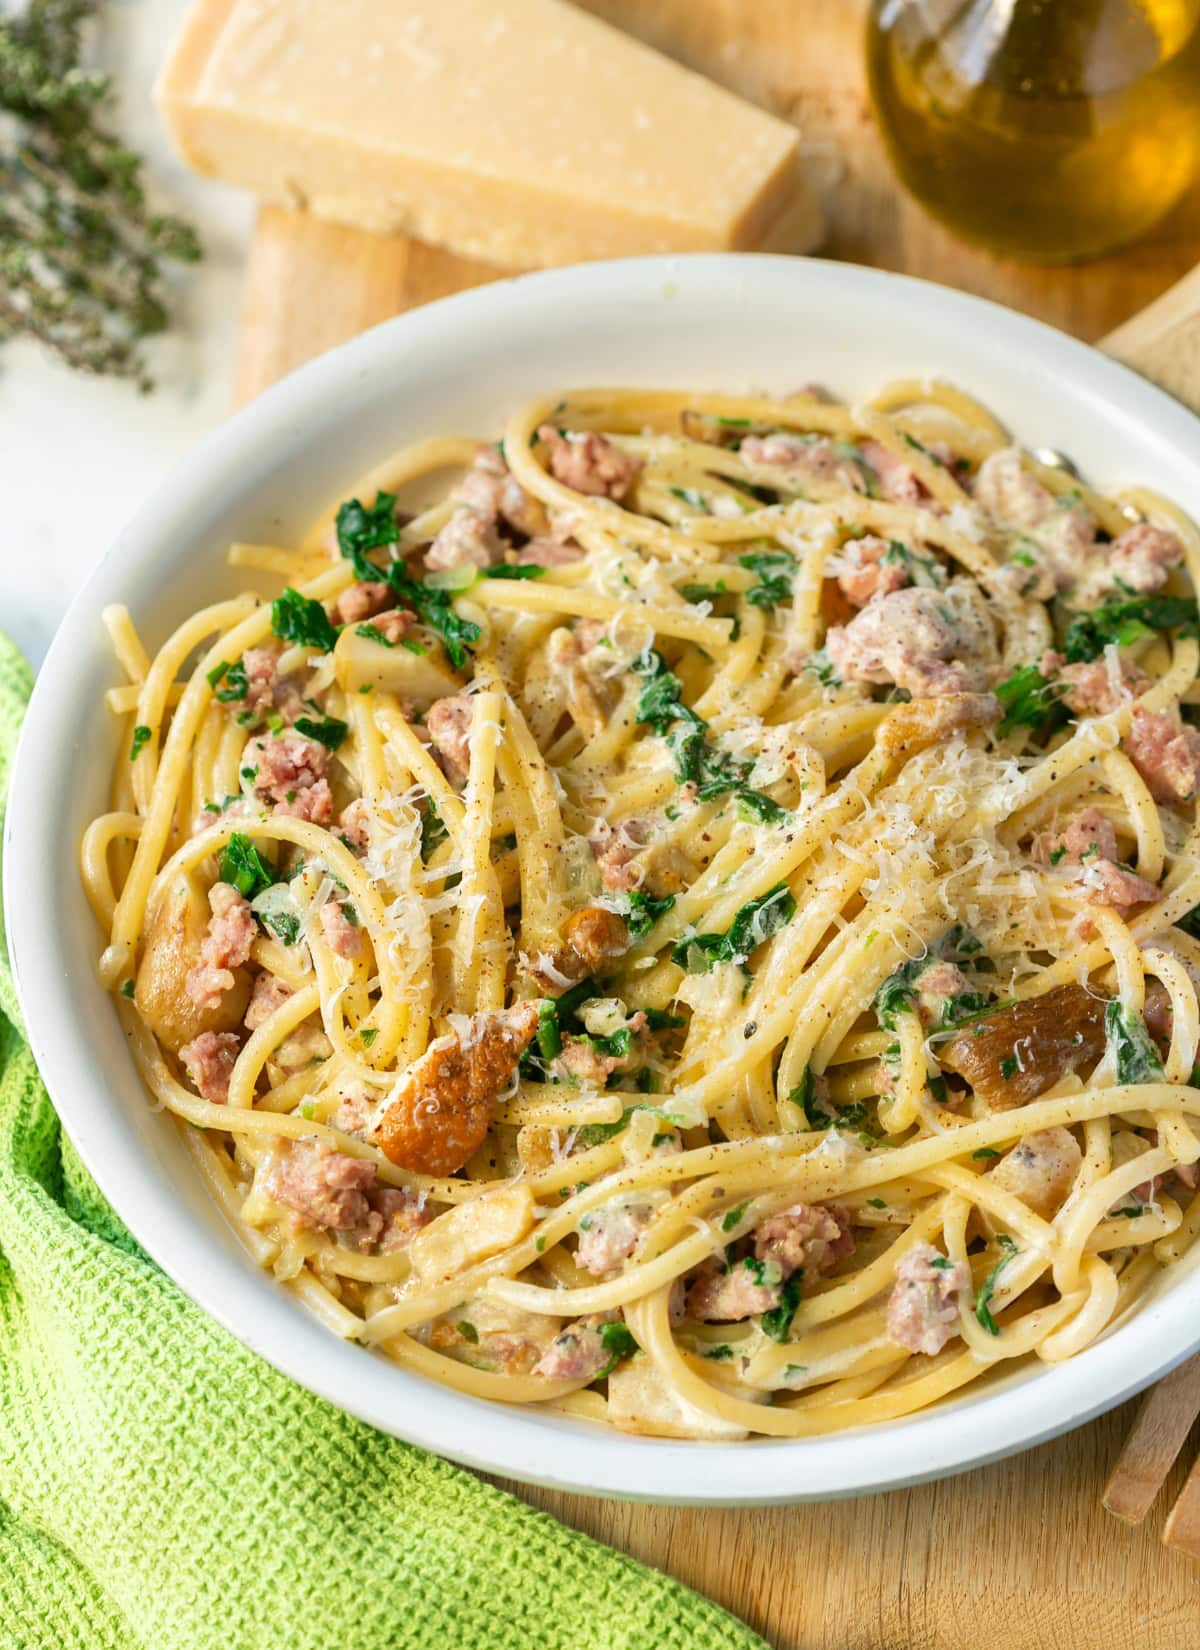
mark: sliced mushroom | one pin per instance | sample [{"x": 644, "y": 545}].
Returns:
[{"x": 1017, "y": 1053}]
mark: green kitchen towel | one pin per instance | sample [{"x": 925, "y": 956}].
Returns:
[{"x": 163, "y": 1489}]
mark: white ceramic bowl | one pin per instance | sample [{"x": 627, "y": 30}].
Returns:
[{"x": 728, "y": 322}]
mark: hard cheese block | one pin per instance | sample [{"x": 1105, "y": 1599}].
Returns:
[{"x": 521, "y": 133}]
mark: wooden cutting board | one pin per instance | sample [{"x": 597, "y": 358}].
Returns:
[{"x": 1018, "y": 1556}]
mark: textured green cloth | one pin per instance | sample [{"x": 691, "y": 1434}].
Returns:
[{"x": 163, "y": 1489}]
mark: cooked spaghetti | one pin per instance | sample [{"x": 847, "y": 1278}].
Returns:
[{"x": 685, "y": 915}]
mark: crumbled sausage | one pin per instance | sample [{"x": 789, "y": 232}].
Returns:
[
  {"x": 578, "y": 1352},
  {"x": 449, "y": 724},
  {"x": 226, "y": 946},
  {"x": 1094, "y": 688},
  {"x": 917, "y": 638},
  {"x": 343, "y": 937},
  {"x": 868, "y": 569},
  {"x": 1165, "y": 752},
  {"x": 814, "y": 458},
  {"x": 269, "y": 993},
  {"x": 898, "y": 481},
  {"x": 922, "y": 1310},
  {"x": 1139, "y": 560},
  {"x": 813, "y": 1236},
  {"x": 291, "y": 774},
  {"x": 323, "y": 1186},
  {"x": 589, "y": 463},
  {"x": 363, "y": 601},
  {"x": 549, "y": 552},
  {"x": 609, "y": 1234},
  {"x": 1088, "y": 849},
  {"x": 741, "y": 1292},
  {"x": 209, "y": 1061}
]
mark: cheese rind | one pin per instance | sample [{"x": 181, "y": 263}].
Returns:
[{"x": 523, "y": 135}]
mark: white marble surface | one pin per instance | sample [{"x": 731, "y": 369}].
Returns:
[{"x": 77, "y": 456}]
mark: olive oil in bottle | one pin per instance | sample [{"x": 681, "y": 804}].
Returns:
[{"x": 1048, "y": 130}]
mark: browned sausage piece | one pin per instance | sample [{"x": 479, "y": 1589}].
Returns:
[{"x": 1012, "y": 1056}]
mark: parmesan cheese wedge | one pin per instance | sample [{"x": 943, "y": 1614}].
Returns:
[{"x": 523, "y": 134}]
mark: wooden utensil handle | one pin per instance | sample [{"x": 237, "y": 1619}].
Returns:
[{"x": 1162, "y": 341}]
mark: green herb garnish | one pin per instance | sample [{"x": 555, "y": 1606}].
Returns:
[
  {"x": 778, "y": 1321},
  {"x": 983, "y": 1310},
  {"x": 618, "y": 1343},
  {"x": 141, "y": 738},
  {"x": 756, "y": 922},
  {"x": 302, "y": 621},
  {"x": 327, "y": 730},
  {"x": 1136, "y": 1058},
  {"x": 360, "y": 529},
  {"x": 776, "y": 569},
  {"x": 243, "y": 866},
  {"x": 641, "y": 911},
  {"x": 1030, "y": 700},
  {"x": 1128, "y": 620}
]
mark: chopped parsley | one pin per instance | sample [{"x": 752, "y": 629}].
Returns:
[
  {"x": 127, "y": 989},
  {"x": 983, "y": 1308},
  {"x": 690, "y": 496},
  {"x": 360, "y": 529},
  {"x": 1136, "y": 1058},
  {"x": 141, "y": 738},
  {"x": 641, "y": 911},
  {"x": 327, "y": 730},
  {"x": 435, "y": 608},
  {"x": 505, "y": 571},
  {"x": 284, "y": 923},
  {"x": 921, "y": 570},
  {"x": 468, "y": 1331},
  {"x": 1126, "y": 620},
  {"x": 718, "y": 1353},
  {"x": 1030, "y": 700},
  {"x": 703, "y": 592},
  {"x": 805, "y": 1096},
  {"x": 302, "y": 621},
  {"x": 618, "y": 1343},
  {"x": 731, "y": 1217},
  {"x": 820, "y": 665},
  {"x": 368, "y": 1035},
  {"x": 757, "y": 921},
  {"x": 986, "y": 1152},
  {"x": 776, "y": 569},
  {"x": 243, "y": 866},
  {"x": 433, "y": 830},
  {"x": 1008, "y": 1067},
  {"x": 234, "y": 677},
  {"x": 697, "y": 762},
  {"x": 778, "y": 1321}
]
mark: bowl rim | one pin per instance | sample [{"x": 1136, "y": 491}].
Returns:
[{"x": 491, "y": 1437}]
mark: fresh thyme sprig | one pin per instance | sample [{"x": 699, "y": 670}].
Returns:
[{"x": 80, "y": 252}]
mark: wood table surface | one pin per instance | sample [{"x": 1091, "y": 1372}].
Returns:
[{"x": 1018, "y": 1556}]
